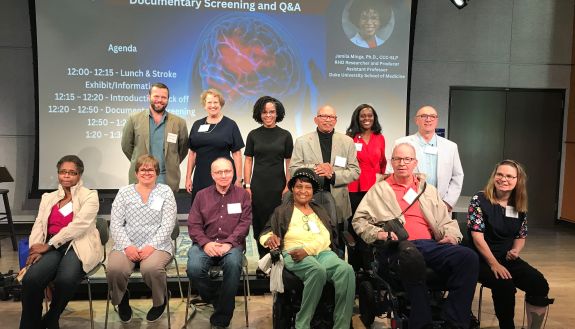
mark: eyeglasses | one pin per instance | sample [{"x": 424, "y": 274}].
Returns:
[
  {"x": 223, "y": 172},
  {"x": 428, "y": 116},
  {"x": 406, "y": 160},
  {"x": 146, "y": 170},
  {"x": 67, "y": 172},
  {"x": 327, "y": 117},
  {"x": 506, "y": 177},
  {"x": 305, "y": 219}
]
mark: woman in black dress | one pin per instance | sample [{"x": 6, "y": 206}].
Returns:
[
  {"x": 497, "y": 221},
  {"x": 212, "y": 137},
  {"x": 268, "y": 152}
]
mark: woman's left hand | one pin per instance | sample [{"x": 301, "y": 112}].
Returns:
[
  {"x": 33, "y": 258},
  {"x": 512, "y": 254},
  {"x": 39, "y": 248},
  {"x": 298, "y": 254}
]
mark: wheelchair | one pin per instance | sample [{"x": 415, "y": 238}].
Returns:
[
  {"x": 383, "y": 294},
  {"x": 287, "y": 304}
]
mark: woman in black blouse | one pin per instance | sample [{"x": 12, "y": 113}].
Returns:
[{"x": 497, "y": 221}]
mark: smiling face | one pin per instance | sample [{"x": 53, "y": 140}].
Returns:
[
  {"x": 68, "y": 174},
  {"x": 212, "y": 105},
  {"x": 326, "y": 119},
  {"x": 403, "y": 161},
  {"x": 302, "y": 192},
  {"x": 222, "y": 173},
  {"x": 269, "y": 115},
  {"x": 158, "y": 98},
  {"x": 146, "y": 174},
  {"x": 426, "y": 120},
  {"x": 366, "y": 118},
  {"x": 369, "y": 23},
  {"x": 505, "y": 178}
]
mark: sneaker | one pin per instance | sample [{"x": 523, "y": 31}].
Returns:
[
  {"x": 124, "y": 309},
  {"x": 156, "y": 312}
]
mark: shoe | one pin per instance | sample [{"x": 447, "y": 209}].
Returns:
[
  {"x": 156, "y": 312},
  {"x": 124, "y": 309},
  {"x": 48, "y": 322},
  {"x": 218, "y": 327}
]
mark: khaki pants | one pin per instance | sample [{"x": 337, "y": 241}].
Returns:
[{"x": 153, "y": 271}]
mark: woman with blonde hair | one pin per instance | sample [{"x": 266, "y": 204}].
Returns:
[{"x": 497, "y": 220}]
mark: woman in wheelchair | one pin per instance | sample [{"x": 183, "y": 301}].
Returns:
[
  {"x": 497, "y": 221},
  {"x": 301, "y": 230}
]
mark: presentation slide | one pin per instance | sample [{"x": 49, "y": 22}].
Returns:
[{"x": 97, "y": 58}]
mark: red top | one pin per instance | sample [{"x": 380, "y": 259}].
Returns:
[
  {"x": 415, "y": 223},
  {"x": 57, "y": 221},
  {"x": 371, "y": 160}
]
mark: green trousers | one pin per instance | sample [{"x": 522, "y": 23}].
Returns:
[{"x": 314, "y": 271}]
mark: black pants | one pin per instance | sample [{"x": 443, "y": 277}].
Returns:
[
  {"x": 62, "y": 268},
  {"x": 524, "y": 277},
  {"x": 456, "y": 263}
]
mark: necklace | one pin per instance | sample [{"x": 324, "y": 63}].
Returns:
[{"x": 214, "y": 127}]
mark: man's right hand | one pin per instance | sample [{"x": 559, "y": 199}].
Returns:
[
  {"x": 212, "y": 249},
  {"x": 132, "y": 253},
  {"x": 383, "y": 235}
]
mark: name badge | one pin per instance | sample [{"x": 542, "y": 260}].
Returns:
[
  {"x": 234, "y": 208},
  {"x": 66, "y": 210},
  {"x": 340, "y": 161},
  {"x": 313, "y": 228},
  {"x": 430, "y": 149},
  {"x": 204, "y": 128},
  {"x": 409, "y": 196},
  {"x": 157, "y": 203},
  {"x": 511, "y": 212},
  {"x": 172, "y": 138},
  {"x": 358, "y": 147}
]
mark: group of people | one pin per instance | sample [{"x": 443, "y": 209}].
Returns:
[{"x": 419, "y": 189}]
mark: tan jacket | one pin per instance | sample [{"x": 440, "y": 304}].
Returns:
[
  {"x": 136, "y": 142},
  {"x": 81, "y": 231},
  {"x": 307, "y": 153},
  {"x": 380, "y": 204}
]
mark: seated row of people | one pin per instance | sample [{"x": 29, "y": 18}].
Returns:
[{"x": 64, "y": 243}]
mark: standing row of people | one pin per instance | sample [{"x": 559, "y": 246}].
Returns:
[{"x": 349, "y": 167}]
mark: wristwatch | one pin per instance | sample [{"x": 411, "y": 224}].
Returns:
[
  {"x": 247, "y": 185},
  {"x": 51, "y": 245}
]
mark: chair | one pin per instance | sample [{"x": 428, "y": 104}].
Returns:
[
  {"x": 174, "y": 236},
  {"x": 102, "y": 227},
  {"x": 216, "y": 274}
]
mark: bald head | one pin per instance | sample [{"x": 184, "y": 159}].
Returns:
[{"x": 325, "y": 119}]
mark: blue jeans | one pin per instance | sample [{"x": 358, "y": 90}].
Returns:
[
  {"x": 62, "y": 268},
  {"x": 199, "y": 264}
]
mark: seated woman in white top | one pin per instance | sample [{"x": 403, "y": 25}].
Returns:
[{"x": 142, "y": 219}]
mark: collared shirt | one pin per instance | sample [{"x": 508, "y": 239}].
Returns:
[
  {"x": 415, "y": 223},
  {"x": 157, "y": 135},
  {"x": 223, "y": 218},
  {"x": 427, "y": 162}
]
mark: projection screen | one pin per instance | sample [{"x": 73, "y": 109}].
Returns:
[{"x": 97, "y": 58}]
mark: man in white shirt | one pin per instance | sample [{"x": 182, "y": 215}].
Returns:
[{"x": 438, "y": 157}]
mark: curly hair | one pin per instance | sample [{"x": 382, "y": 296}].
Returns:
[
  {"x": 355, "y": 127},
  {"x": 260, "y": 105},
  {"x": 359, "y": 6}
]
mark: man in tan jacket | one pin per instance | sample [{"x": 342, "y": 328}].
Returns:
[{"x": 433, "y": 240}]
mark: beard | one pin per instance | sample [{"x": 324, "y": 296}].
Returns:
[{"x": 158, "y": 108}]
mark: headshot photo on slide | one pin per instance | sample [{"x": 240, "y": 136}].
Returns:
[{"x": 368, "y": 23}]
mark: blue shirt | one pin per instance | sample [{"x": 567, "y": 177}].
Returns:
[
  {"x": 427, "y": 162},
  {"x": 157, "y": 133}
]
